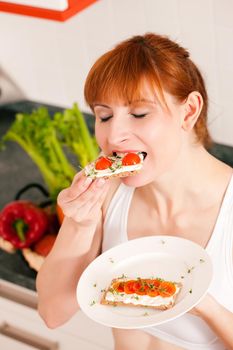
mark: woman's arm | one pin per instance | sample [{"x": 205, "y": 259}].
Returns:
[
  {"x": 77, "y": 244},
  {"x": 57, "y": 279},
  {"x": 219, "y": 319}
]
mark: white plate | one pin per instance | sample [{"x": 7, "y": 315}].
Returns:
[{"x": 167, "y": 257}]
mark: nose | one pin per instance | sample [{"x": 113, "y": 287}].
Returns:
[{"x": 119, "y": 131}]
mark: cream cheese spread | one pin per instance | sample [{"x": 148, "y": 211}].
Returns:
[{"x": 136, "y": 299}]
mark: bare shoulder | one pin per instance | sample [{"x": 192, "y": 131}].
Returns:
[
  {"x": 221, "y": 168},
  {"x": 114, "y": 184},
  {"x": 218, "y": 177}
]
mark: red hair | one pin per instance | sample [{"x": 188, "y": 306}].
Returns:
[{"x": 164, "y": 64}]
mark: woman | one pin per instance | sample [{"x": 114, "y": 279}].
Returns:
[{"x": 147, "y": 95}]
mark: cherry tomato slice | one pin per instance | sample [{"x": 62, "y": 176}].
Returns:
[
  {"x": 152, "y": 292},
  {"x": 129, "y": 287},
  {"x": 150, "y": 287},
  {"x": 141, "y": 287},
  {"x": 131, "y": 159},
  {"x": 166, "y": 289},
  {"x": 103, "y": 163},
  {"x": 119, "y": 287},
  {"x": 153, "y": 285}
]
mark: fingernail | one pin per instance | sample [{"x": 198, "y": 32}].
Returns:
[
  {"x": 87, "y": 181},
  {"x": 100, "y": 182}
]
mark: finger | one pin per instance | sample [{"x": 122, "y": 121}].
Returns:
[
  {"x": 96, "y": 202},
  {"x": 89, "y": 197},
  {"x": 100, "y": 200},
  {"x": 91, "y": 209},
  {"x": 84, "y": 190},
  {"x": 95, "y": 189},
  {"x": 84, "y": 203},
  {"x": 78, "y": 186}
]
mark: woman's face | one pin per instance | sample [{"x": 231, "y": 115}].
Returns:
[{"x": 145, "y": 125}]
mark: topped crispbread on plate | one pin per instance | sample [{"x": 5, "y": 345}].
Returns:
[{"x": 154, "y": 293}]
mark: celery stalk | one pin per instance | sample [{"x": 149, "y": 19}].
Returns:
[
  {"x": 73, "y": 132},
  {"x": 43, "y": 139}
]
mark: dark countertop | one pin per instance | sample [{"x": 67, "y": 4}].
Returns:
[
  {"x": 17, "y": 170},
  {"x": 14, "y": 269}
]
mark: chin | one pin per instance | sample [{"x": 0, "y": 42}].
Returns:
[{"x": 137, "y": 180}]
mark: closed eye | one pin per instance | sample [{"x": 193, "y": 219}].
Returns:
[
  {"x": 139, "y": 115},
  {"x": 103, "y": 120}
]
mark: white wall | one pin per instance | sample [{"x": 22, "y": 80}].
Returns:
[{"x": 48, "y": 61}]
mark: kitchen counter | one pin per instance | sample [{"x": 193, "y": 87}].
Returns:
[
  {"x": 17, "y": 170},
  {"x": 14, "y": 269}
]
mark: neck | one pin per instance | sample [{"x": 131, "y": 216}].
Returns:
[{"x": 178, "y": 188}]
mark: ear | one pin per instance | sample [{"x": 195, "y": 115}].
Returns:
[{"x": 192, "y": 109}]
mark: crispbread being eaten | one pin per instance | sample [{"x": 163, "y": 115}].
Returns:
[
  {"x": 154, "y": 293},
  {"x": 118, "y": 164}
]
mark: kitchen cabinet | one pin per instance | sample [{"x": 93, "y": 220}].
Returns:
[
  {"x": 12, "y": 337},
  {"x": 59, "y": 10},
  {"x": 22, "y": 328},
  {"x": 59, "y": 5}
]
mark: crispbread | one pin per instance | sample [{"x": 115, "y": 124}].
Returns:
[
  {"x": 116, "y": 169},
  {"x": 168, "y": 302}
]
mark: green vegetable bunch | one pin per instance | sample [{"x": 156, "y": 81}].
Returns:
[
  {"x": 73, "y": 133},
  {"x": 44, "y": 138}
]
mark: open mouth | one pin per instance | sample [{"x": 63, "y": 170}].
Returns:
[
  {"x": 116, "y": 154},
  {"x": 144, "y": 155}
]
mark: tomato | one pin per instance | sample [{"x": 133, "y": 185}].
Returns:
[
  {"x": 150, "y": 287},
  {"x": 166, "y": 289},
  {"x": 103, "y": 163},
  {"x": 129, "y": 287},
  {"x": 152, "y": 292},
  {"x": 141, "y": 287},
  {"x": 45, "y": 244},
  {"x": 119, "y": 287},
  {"x": 131, "y": 159},
  {"x": 153, "y": 282},
  {"x": 153, "y": 285},
  {"x": 60, "y": 214}
]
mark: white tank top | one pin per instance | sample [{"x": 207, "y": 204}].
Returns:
[{"x": 187, "y": 331}]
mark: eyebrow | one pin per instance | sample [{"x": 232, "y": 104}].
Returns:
[
  {"x": 130, "y": 104},
  {"x": 144, "y": 100},
  {"x": 100, "y": 105}
]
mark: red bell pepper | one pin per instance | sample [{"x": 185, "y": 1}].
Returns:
[{"x": 22, "y": 223}]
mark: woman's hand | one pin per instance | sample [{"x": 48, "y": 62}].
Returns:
[
  {"x": 218, "y": 318},
  {"x": 82, "y": 201},
  {"x": 204, "y": 307}
]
